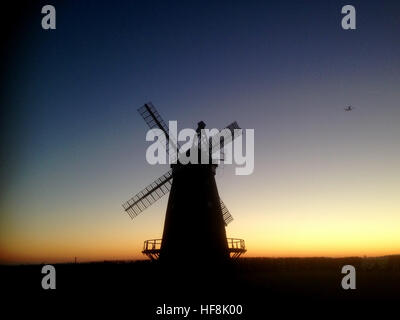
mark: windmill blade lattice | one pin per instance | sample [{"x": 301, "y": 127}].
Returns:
[
  {"x": 225, "y": 213},
  {"x": 149, "y": 195},
  {"x": 217, "y": 140},
  {"x": 153, "y": 119}
]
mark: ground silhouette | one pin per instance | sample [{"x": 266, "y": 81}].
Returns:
[{"x": 256, "y": 283}]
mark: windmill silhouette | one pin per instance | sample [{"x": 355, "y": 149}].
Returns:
[{"x": 195, "y": 220}]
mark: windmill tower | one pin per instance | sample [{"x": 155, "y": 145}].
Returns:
[{"x": 195, "y": 220}]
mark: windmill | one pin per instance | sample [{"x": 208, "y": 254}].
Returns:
[{"x": 195, "y": 220}]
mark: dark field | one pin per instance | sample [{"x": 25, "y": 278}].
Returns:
[{"x": 259, "y": 284}]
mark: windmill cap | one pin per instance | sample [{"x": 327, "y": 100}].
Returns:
[{"x": 200, "y": 125}]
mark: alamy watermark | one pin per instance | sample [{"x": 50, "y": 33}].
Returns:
[{"x": 202, "y": 146}]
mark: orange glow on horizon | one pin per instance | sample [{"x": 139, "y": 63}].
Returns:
[{"x": 272, "y": 237}]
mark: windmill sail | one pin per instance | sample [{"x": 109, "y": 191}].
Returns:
[
  {"x": 148, "y": 195},
  {"x": 153, "y": 119},
  {"x": 225, "y": 136},
  {"x": 225, "y": 213},
  {"x": 221, "y": 139}
]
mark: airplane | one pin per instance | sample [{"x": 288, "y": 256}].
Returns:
[{"x": 348, "y": 108}]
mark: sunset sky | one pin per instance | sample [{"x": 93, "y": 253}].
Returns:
[{"x": 326, "y": 182}]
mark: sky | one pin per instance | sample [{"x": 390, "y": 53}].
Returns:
[{"x": 325, "y": 182}]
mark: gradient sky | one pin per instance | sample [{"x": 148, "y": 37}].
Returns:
[{"x": 326, "y": 182}]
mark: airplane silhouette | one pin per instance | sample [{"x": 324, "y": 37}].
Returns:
[{"x": 348, "y": 108}]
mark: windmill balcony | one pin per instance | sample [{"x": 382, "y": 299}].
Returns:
[
  {"x": 236, "y": 247},
  {"x": 151, "y": 248}
]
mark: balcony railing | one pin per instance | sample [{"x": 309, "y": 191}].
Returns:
[
  {"x": 153, "y": 244},
  {"x": 236, "y": 247},
  {"x": 234, "y": 243},
  {"x": 151, "y": 248}
]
